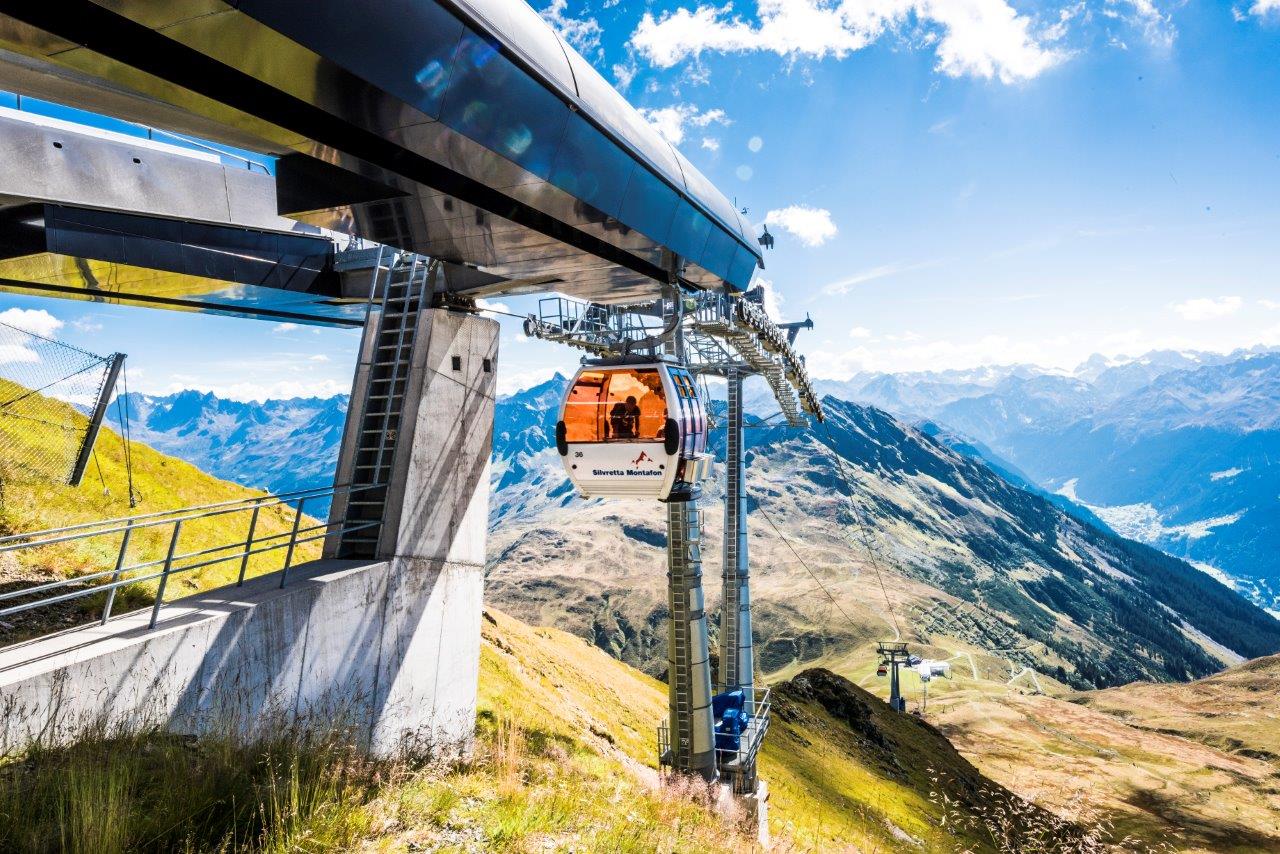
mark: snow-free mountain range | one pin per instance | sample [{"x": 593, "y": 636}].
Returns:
[{"x": 1180, "y": 450}]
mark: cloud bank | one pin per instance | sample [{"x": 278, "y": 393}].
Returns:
[{"x": 971, "y": 38}]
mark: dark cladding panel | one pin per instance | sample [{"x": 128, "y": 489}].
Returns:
[
  {"x": 607, "y": 106},
  {"x": 689, "y": 232},
  {"x": 527, "y": 33},
  {"x": 720, "y": 252},
  {"x": 649, "y": 205},
  {"x": 406, "y": 48},
  {"x": 494, "y": 102},
  {"x": 742, "y": 268},
  {"x": 591, "y": 167},
  {"x": 704, "y": 191}
]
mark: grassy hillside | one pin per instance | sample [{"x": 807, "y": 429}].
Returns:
[
  {"x": 1234, "y": 711},
  {"x": 31, "y": 501},
  {"x": 565, "y": 761}
]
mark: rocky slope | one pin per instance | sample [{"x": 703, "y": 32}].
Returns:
[
  {"x": 960, "y": 551},
  {"x": 1174, "y": 449}
]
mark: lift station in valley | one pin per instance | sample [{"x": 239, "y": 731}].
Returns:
[{"x": 269, "y": 160}]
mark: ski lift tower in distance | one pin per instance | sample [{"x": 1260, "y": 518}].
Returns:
[{"x": 892, "y": 657}]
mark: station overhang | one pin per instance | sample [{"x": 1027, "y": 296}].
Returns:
[
  {"x": 466, "y": 130},
  {"x": 130, "y": 259}
]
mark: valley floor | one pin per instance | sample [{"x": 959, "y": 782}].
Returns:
[{"x": 1183, "y": 767}]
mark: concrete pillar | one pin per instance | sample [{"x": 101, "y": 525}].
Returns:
[
  {"x": 737, "y": 662},
  {"x": 688, "y": 661},
  {"x": 434, "y": 533}
]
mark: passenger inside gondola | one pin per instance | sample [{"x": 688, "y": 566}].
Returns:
[
  {"x": 616, "y": 405},
  {"x": 624, "y": 419}
]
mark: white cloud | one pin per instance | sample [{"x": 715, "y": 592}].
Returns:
[
  {"x": 882, "y": 271},
  {"x": 34, "y": 320},
  {"x": 710, "y": 143},
  {"x": 281, "y": 328},
  {"x": 319, "y": 357},
  {"x": 1144, "y": 15},
  {"x": 582, "y": 33},
  {"x": 672, "y": 121},
  {"x": 978, "y": 38},
  {"x": 1270, "y": 304},
  {"x": 859, "y": 332},
  {"x": 812, "y": 226},
  {"x": 1208, "y": 309},
  {"x": 17, "y": 354},
  {"x": 87, "y": 325},
  {"x": 1262, "y": 8},
  {"x": 624, "y": 74}
]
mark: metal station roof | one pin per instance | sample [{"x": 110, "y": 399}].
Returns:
[{"x": 463, "y": 129}]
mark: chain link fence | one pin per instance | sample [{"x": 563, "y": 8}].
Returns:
[{"x": 47, "y": 389}]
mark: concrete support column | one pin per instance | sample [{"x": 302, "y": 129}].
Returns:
[
  {"x": 737, "y": 662},
  {"x": 433, "y": 536},
  {"x": 688, "y": 660}
]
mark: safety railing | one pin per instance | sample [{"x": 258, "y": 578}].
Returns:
[
  {"x": 736, "y": 752},
  {"x": 122, "y": 573}
]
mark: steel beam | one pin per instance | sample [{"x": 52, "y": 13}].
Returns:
[
  {"x": 737, "y": 664},
  {"x": 688, "y": 660}
]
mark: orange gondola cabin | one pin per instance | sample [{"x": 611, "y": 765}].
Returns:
[{"x": 634, "y": 431}]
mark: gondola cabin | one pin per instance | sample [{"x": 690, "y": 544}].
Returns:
[{"x": 634, "y": 431}]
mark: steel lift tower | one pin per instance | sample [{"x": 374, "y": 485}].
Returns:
[{"x": 715, "y": 735}]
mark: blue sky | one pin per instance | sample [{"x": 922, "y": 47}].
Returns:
[{"x": 952, "y": 183}]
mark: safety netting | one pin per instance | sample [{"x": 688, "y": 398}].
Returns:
[{"x": 47, "y": 391}]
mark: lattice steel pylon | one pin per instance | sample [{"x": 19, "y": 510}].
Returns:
[
  {"x": 731, "y": 337},
  {"x": 737, "y": 661},
  {"x": 692, "y": 727}
]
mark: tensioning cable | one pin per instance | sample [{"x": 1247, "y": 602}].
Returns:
[
  {"x": 862, "y": 528},
  {"x": 807, "y": 569}
]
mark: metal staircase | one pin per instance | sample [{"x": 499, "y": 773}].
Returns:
[{"x": 405, "y": 295}]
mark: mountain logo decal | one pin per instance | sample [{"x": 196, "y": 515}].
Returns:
[{"x": 643, "y": 458}]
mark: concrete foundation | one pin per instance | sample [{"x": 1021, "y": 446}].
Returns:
[
  {"x": 388, "y": 648},
  {"x": 338, "y": 646}
]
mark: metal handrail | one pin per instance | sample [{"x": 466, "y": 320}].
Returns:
[
  {"x": 737, "y": 766},
  {"x": 123, "y": 574},
  {"x": 25, "y": 540}
]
